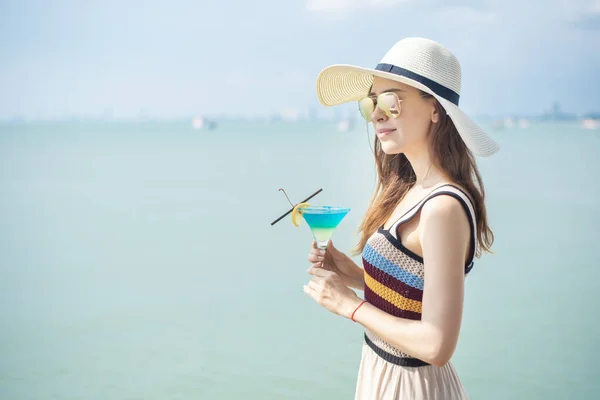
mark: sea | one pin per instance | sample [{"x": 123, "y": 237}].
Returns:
[{"x": 138, "y": 261}]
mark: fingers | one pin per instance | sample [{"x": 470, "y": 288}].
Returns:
[
  {"x": 315, "y": 286},
  {"x": 309, "y": 291},
  {"x": 316, "y": 250},
  {"x": 320, "y": 272},
  {"x": 316, "y": 255},
  {"x": 313, "y": 289}
]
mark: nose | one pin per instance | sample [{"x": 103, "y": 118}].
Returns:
[{"x": 378, "y": 115}]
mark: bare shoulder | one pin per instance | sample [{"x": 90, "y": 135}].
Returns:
[
  {"x": 444, "y": 231},
  {"x": 443, "y": 208}
]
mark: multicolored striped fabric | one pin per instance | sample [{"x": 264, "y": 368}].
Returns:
[{"x": 395, "y": 276}]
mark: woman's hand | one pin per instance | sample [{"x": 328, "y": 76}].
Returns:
[
  {"x": 334, "y": 260},
  {"x": 328, "y": 289}
]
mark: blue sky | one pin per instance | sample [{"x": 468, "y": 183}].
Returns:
[{"x": 183, "y": 57}]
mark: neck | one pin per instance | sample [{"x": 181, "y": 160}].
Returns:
[{"x": 426, "y": 172}]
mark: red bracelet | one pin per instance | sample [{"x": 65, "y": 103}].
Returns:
[{"x": 357, "y": 307}]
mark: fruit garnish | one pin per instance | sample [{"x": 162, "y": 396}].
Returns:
[
  {"x": 297, "y": 213},
  {"x": 295, "y": 219}
]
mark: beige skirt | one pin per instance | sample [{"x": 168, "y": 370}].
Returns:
[{"x": 382, "y": 380}]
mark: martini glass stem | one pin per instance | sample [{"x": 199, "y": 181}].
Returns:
[{"x": 322, "y": 244}]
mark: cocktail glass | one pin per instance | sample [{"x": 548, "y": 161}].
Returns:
[{"x": 322, "y": 221}]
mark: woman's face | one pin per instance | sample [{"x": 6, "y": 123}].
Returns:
[{"x": 408, "y": 132}]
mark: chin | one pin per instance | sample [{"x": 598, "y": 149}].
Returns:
[{"x": 389, "y": 147}]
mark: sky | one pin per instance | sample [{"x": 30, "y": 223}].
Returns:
[{"x": 171, "y": 59}]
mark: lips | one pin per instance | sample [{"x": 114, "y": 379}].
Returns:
[{"x": 384, "y": 131}]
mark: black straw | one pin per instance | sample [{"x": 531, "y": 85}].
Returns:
[{"x": 303, "y": 201}]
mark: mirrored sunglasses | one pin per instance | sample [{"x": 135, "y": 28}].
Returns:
[{"x": 387, "y": 102}]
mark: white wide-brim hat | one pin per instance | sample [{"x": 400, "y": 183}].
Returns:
[{"x": 421, "y": 63}]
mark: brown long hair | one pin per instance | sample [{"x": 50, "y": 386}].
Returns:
[{"x": 395, "y": 177}]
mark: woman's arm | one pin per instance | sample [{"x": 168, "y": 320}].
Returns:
[{"x": 444, "y": 235}]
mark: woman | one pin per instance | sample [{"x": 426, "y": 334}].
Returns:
[{"x": 425, "y": 224}]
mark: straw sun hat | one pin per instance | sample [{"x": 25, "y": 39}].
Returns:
[{"x": 421, "y": 63}]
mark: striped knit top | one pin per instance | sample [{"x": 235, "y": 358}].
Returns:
[{"x": 394, "y": 276}]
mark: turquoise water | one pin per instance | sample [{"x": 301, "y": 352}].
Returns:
[
  {"x": 137, "y": 261},
  {"x": 324, "y": 217}
]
